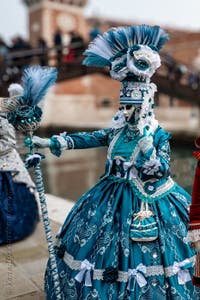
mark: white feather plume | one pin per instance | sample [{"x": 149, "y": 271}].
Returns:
[{"x": 15, "y": 90}]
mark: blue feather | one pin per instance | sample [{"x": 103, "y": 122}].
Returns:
[
  {"x": 95, "y": 60},
  {"x": 106, "y": 46},
  {"x": 36, "y": 81}
]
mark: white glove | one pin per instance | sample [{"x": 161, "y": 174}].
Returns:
[{"x": 40, "y": 142}]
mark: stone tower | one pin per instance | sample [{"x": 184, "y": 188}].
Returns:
[{"x": 45, "y": 16}]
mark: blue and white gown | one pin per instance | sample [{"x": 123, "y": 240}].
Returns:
[{"x": 95, "y": 255}]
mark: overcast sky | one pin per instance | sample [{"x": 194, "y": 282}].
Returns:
[{"x": 173, "y": 13}]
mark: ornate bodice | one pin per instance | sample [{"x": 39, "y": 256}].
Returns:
[
  {"x": 126, "y": 162},
  {"x": 124, "y": 142}
]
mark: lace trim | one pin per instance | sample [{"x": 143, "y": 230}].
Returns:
[
  {"x": 63, "y": 144},
  {"x": 155, "y": 270},
  {"x": 164, "y": 188},
  {"x": 192, "y": 236},
  {"x": 122, "y": 275},
  {"x": 170, "y": 271},
  {"x": 71, "y": 262},
  {"x": 112, "y": 144}
]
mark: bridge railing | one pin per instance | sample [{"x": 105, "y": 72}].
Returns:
[
  {"x": 14, "y": 62},
  {"x": 68, "y": 60},
  {"x": 47, "y": 51}
]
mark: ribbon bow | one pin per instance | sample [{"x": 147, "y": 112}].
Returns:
[
  {"x": 85, "y": 272},
  {"x": 136, "y": 275},
  {"x": 181, "y": 270}
]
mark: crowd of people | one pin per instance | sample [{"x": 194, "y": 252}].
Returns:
[
  {"x": 75, "y": 44},
  {"x": 12, "y": 52},
  {"x": 20, "y": 52},
  {"x": 179, "y": 72}
]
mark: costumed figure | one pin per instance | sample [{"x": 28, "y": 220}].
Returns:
[
  {"x": 124, "y": 238},
  {"x": 25, "y": 114},
  {"x": 194, "y": 216},
  {"x": 18, "y": 206}
]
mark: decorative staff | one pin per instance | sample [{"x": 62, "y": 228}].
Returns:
[{"x": 25, "y": 115}]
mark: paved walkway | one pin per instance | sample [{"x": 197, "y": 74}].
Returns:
[{"x": 22, "y": 264}]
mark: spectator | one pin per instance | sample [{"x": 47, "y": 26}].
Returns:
[
  {"x": 77, "y": 44},
  {"x": 3, "y": 50},
  {"x": 58, "y": 43},
  {"x": 43, "y": 56},
  {"x": 19, "y": 44},
  {"x": 179, "y": 71},
  {"x": 28, "y": 55},
  {"x": 170, "y": 64},
  {"x": 193, "y": 80}
]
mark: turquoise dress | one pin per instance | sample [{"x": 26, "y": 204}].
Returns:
[{"x": 95, "y": 255}]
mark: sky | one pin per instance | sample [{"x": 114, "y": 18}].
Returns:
[{"x": 171, "y": 13}]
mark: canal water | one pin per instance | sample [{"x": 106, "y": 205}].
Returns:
[{"x": 72, "y": 174}]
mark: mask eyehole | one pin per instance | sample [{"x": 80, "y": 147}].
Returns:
[{"x": 128, "y": 106}]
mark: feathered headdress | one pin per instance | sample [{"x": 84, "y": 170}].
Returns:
[
  {"x": 24, "y": 113},
  {"x": 36, "y": 81},
  {"x": 116, "y": 42}
]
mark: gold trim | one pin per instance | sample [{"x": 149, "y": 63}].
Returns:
[
  {"x": 2, "y": 105},
  {"x": 9, "y": 103}
]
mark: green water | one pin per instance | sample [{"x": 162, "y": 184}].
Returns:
[{"x": 183, "y": 166}]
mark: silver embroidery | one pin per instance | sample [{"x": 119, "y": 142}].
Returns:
[{"x": 84, "y": 233}]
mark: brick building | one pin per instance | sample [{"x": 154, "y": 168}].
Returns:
[{"x": 98, "y": 93}]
